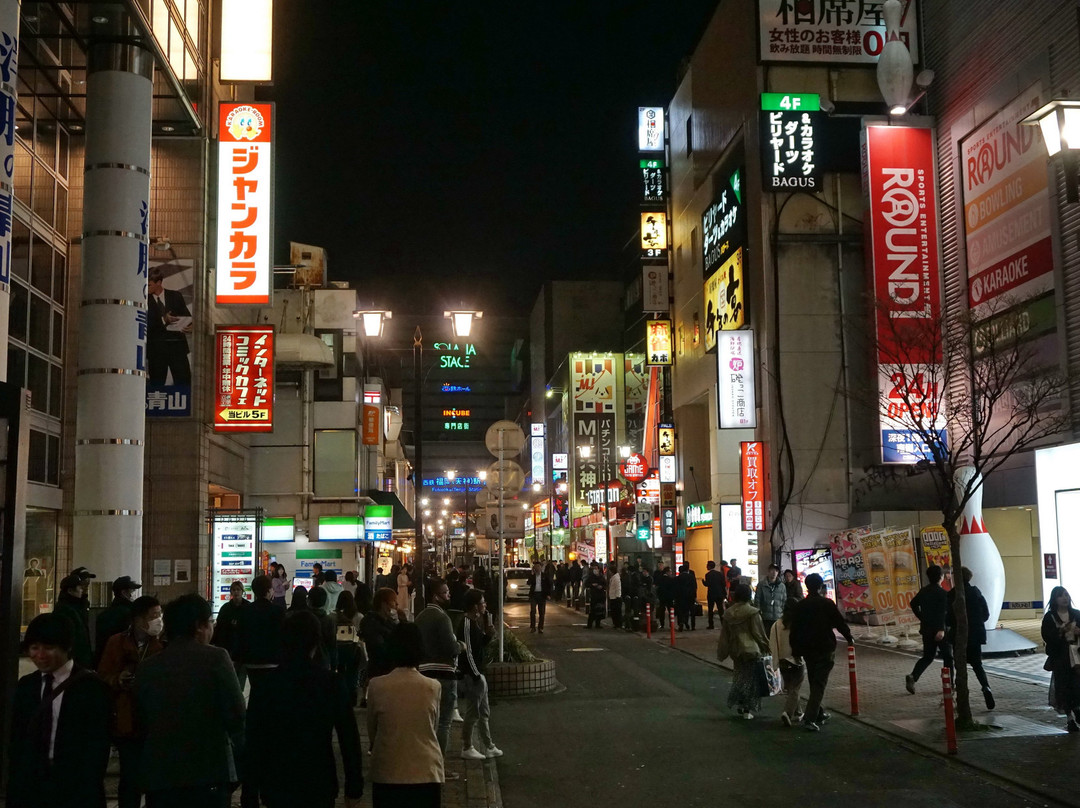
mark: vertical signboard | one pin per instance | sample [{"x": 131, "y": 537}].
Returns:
[
  {"x": 653, "y": 187},
  {"x": 752, "y": 469},
  {"x": 653, "y": 234},
  {"x": 655, "y": 293},
  {"x": 371, "y": 415},
  {"x": 234, "y": 554},
  {"x": 658, "y": 342},
  {"x": 170, "y": 295},
  {"x": 830, "y": 31},
  {"x": 737, "y": 543},
  {"x": 594, "y": 386},
  {"x": 900, "y": 184},
  {"x": 736, "y": 402},
  {"x": 790, "y": 125},
  {"x": 537, "y": 453},
  {"x": 650, "y": 129},
  {"x": 244, "y": 200},
  {"x": 378, "y": 522},
  {"x": 244, "y": 398}
]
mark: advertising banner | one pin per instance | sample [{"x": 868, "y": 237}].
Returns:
[
  {"x": 245, "y": 204},
  {"x": 852, "y": 582},
  {"x": 936, "y": 550},
  {"x": 878, "y": 563},
  {"x": 816, "y": 560},
  {"x": 830, "y": 31},
  {"x": 900, "y": 545},
  {"x": 723, "y": 224},
  {"x": 235, "y": 555},
  {"x": 736, "y": 402},
  {"x": 899, "y": 181},
  {"x": 244, "y": 398},
  {"x": 725, "y": 308},
  {"x": 594, "y": 384},
  {"x": 170, "y": 292},
  {"x": 655, "y": 291},
  {"x": 754, "y": 484},
  {"x": 658, "y": 342}
]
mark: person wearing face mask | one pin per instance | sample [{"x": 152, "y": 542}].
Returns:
[
  {"x": 191, "y": 712},
  {"x": 123, "y": 655},
  {"x": 117, "y": 617}
]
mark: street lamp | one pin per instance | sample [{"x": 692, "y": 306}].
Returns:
[{"x": 1060, "y": 124}]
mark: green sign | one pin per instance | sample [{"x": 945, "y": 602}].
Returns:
[
  {"x": 652, "y": 163},
  {"x": 698, "y": 515},
  {"x": 643, "y": 532},
  {"x": 790, "y": 102},
  {"x": 318, "y": 554},
  {"x": 1027, "y": 322}
]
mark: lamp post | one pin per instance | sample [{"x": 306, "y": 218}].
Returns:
[
  {"x": 374, "y": 323},
  {"x": 1059, "y": 122},
  {"x": 451, "y": 475}
]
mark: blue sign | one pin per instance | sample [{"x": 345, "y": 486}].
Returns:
[
  {"x": 456, "y": 388},
  {"x": 905, "y": 446},
  {"x": 442, "y": 485}
]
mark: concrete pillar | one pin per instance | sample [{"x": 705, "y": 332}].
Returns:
[
  {"x": 9, "y": 69},
  {"x": 110, "y": 418}
]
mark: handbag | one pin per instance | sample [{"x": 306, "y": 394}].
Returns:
[
  {"x": 773, "y": 679},
  {"x": 1074, "y": 655},
  {"x": 764, "y": 677}
]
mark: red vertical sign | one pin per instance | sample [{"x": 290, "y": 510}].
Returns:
[
  {"x": 752, "y": 467},
  {"x": 244, "y": 400}
]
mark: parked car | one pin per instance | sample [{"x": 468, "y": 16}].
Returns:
[{"x": 517, "y": 584}]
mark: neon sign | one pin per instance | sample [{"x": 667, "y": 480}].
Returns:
[
  {"x": 454, "y": 355},
  {"x": 456, "y": 388}
]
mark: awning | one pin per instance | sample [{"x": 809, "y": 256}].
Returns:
[{"x": 402, "y": 519}]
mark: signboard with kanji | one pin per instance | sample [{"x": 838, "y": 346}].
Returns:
[
  {"x": 658, "y": 342},
  {"x": 752, "y": 467},
  {"x": 831, "y": 31},
  {"x": 244, "y": 398},
  {"x": 245, "y": 247}
]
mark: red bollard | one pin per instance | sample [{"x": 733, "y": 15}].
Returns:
[
  {"x": 950, "y": 720},
  {"x": 671, "y": 623},
  {"x": 852, "y": 681},
  {"x": 648, "y": 621}
]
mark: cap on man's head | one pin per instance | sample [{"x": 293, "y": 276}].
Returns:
[
  {"x": 82, "y": 572},
  {"x": 124, "y": 583},
  {"x": 71, "y": 581},
  {"x": 50, "y": 629}
]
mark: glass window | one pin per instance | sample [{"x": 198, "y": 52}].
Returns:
[
  {"x": 16, "y": 358},
  {"x": 59, "y": 287},
  {"x": 41, "y": 269},
  {"x": 44, "y": 134},
  {"x": 20, "y": 302},
  {"x": 335, "y": 463},
  {"x": 39, "y": 578},
  {"x": 58, "y": 335},
  {"x": 24, "y": 172},
  {"x": 52, "y": 474},
  {"x": 40, "y": 323},
  {"x": 44, "y": 195},
  {"x": 38, "y": 458},
  {"x": 20, "y": 250},
  {"x": 37, "y": 381},
  {"x": 61, "y": 208},
  {"x": 62, "y": 152},
  {"x": 56, "y": 390}
]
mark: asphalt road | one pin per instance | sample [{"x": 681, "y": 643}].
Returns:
[{"x": 639, "y": 724}]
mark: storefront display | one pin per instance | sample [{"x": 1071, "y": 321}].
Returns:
[
  {"x": 235, "y": 553},
  {"x": 742, "y": 545}
]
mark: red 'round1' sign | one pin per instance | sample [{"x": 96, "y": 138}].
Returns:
[{"x": 634, "y": 468}]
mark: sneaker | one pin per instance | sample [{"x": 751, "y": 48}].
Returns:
[
  {"x": 909, "y": 683},
  {"x": 540, "y": 630},
  {"x": 456, "y": 717},
  {"x": 823, "y": 717},
  {"x": 449, "y": 775},
  {"x": 532, "y": 629},
  {"x": 472, "y": 753},
  {"x": 989, "y": 698},
  {"x": 785, "y": 719},
  {"x": 797, "y": 718},
  {"x": 494, "y": 752},
  {"x": 748, "y": 715},
  {"x": 810, "y": 726}
]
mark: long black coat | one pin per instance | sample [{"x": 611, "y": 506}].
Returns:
[
  {"x": 80, "y": 752},
  {"x": 114, "y": 620},
  {"x": 977, "y": 615}
]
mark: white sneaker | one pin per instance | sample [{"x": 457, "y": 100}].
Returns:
[
  {"x": 456, "y": 717},
  {"x": 494, "y": 751},
  {"x": 748, "y": 715},
  {"x": 785, "y": 719},
  {"x": 471, "y": 753}
]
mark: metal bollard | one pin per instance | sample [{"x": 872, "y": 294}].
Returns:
[
  {"x": 671, "y": 623},
  {"x": 950, "y": 719},
  {"x": 852, "y": 680},
  {"x": 648, "y": 621}
]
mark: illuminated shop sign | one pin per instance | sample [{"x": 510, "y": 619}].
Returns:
[
  {"x": 652, "y": 180},
  {"x": 455, "y": 355},
  {"x": 752, "y": 468},
  {"x": 736, "y": 401},
  {"x": 244, "y": 398},
  {"x": 789, "y": 148},
  {"x": 650, "y": 128},
  {"x": 699, "y": 515},
  {"x": 725, "y": 309},
  {"x": 245, "y": 173},
  {"x": 830, "y": 31},
  {"x": 371, "y": 412},
  {"x": 456, "y": 388},
  {"x": 456, "y": 413},
  {"x": 653, "y": 234},
  {"x": 723, "y": 224},
  {"x": 658, "y": 342}
]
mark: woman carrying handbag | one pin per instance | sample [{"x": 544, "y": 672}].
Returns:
[
  {"x": 742, "y": 637},
  {"x": 1061, "y": 633}
]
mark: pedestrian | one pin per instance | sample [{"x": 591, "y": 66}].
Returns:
[
  {"x": 327, "y": 624},
  {"x": 540, "y": 589},
  {"x": 1061, "y": 633},
  {"x": 316, "y": 575},
  {"x": 685, "y": 598},
  {"x": 475, "y": 629},
  {"x": 665, "y": 593},
  {"x": 715, "y": 590},
  {"x": 977, "y": 615},
  {"x": 228, "y": 628},
  {"x": 814, "y": 620},
  {"x": 794, "y": 586},
  {"x": 770, "y": 597},
  {"x": 734, "y": 574},
  {"x": 72, "y": 605},
  {"x": 191, "y": 712},
  {"x": 790, "y": 666},
  {"x": 380, "y": 579},
  {"x": 931, "y": 606},
  {"x": 457, "y": 588},
  {"x": 614, "y": 594},
  {"x": 742, "y": 637},
  {"x": 349, "y": 650},
  {"x": 299, "y": 601},
  {"x": 574, "y": 576},
  {"x": 302, "y": 771},
  {"x": 123, "y": 655},
  {"x": 59, "y": 744},
  {"x": 362, "y": 596},
  {"x": 117, "y": 617},
  {"x": 375, "y": 629},
  {"x": 333, "y": 589},
  {"x": 561, "y": 578},
  {"x": 349, "y": 584},
  {"x": 401, "y": 580},
  {"x": 440, "y": 652},
  {"x": 279, "y": 584},
  {"x": 596, "y": 592},
  {"x": 402, "y": 716}
]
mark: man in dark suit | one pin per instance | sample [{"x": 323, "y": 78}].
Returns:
[
  {"x": 540, "y": 588},
  {"x": 166, "y": 350},
  {"x": 59, "y": 745},
  {"x": 715, "y": 590},
  {"x": 191, "y": 710}
]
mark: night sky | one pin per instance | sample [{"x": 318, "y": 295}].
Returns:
[{"x": 469, "y": 151}]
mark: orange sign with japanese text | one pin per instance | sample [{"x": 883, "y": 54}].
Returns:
[
  {"x": 244, "y": 399},
  {"x": 752, "y": 466}
]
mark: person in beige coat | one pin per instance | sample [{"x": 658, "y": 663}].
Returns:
[{"x": 402, "y": 718}]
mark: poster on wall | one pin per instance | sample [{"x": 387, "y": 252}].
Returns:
[
  {"x": 234, "y": 554},
  {"x": 852, "y": 582},
  {"x": 900, "y": 545},
  {"x": 878, "y": 573},
  {"x": 170, "y": 295},
  {"x": 936, "y": 550},
  {"x": 834, "y": 32},
  {"x": 816, "y": 560}
]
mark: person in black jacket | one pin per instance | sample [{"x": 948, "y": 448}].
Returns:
[
  {"x": 260, "y": 654},
  {"x": 375, "y": 629},
  {"x": 814, "y": 620},
  {"x": 61, "y": 763},
  {"x": 931, "y": 606},
  {"x": 686, "y": 598},
  {"x": 541, "y": 587},
  {"x": 574, "y": 576},
  {"x": 977, "y": 615},
  {"x": 715, "y": 590},
  {"x": 302, "y": 771},
  {"x": 665, "y": 592},
  {"x": 596, "y": 595},
  {"x": 1061, "y": 633},
  {"x": 117, "y": 617},
  {"x": 228, "y": 627},
  {"x": 75, "y": 608}
]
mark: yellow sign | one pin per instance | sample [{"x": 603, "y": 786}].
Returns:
[
  {"x": 666, "y": 440},
  {"x": 724, "y": 305},
  {"x": 653, "y": 233},
  {"x": 658, "y": 345}
]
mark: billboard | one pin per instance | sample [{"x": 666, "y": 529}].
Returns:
[
  {"x": 650, "y": 129},
  {"x": 658, "y": 342},
  {"x": 754, "y": 484},
  {"x": 245, "y": 251},
  {"x": 594, "y": 384},
  {"x": 235, "y": 554},
  {"x": 902, "y": 208},
  {"x": 170, "y": 295},
  {"x": 723, "y": 224},
  {"x": 830, "y": 31},
  {"x": 736, "y": 401},
  {"x": 725, "y": 309},
  {"x": 244, "y": 398}
]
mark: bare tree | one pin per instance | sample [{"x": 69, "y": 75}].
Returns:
[{"x": 972, "y": 393}]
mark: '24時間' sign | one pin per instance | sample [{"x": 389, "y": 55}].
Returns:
[{"x": 244, "y": 400}]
